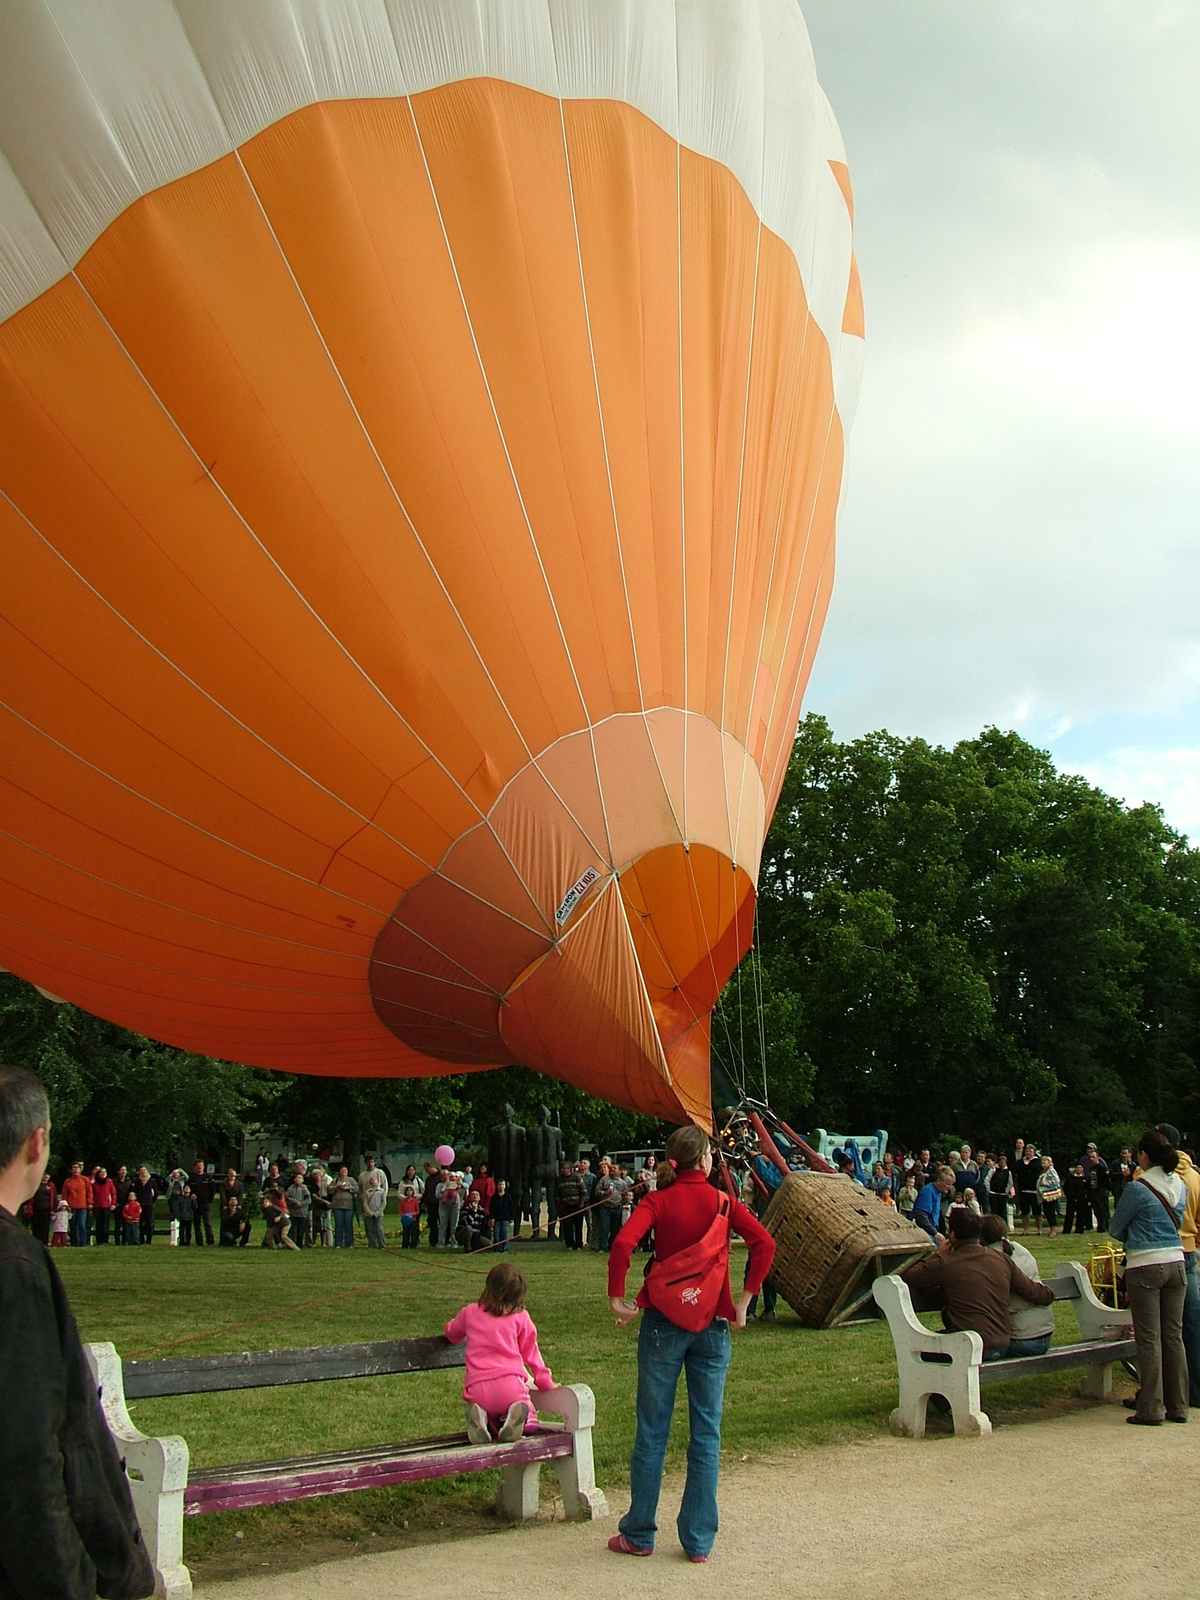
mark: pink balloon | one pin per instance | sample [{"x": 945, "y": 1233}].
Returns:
[{"x": 444, "y": 1155}]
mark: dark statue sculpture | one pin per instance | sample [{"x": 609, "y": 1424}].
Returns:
[
  {"x": 506, "y": 1153},
  {"x": 545, "y": 1150}
]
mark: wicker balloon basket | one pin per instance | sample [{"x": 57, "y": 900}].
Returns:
[{"x": 832, "y": 1240}]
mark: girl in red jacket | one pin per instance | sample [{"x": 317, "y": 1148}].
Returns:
[{"x": 690, "y": 1219}]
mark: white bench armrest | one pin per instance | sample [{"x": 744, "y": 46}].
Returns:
[
  {"x": 157, "y": 1470},
  {"x": 956, "y": 1376},
  {"x": 1096, "y": 1320}
]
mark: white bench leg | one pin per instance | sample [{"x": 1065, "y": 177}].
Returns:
[
  {"x": 518, "y": 1497},
  {"x": 970, "y": 1419},
  {"x": 157, "y": 1471},
  {"x": 577, "y": 1480},
  {"x": 958, "y": 1380},
  {"x": 1097, "y": 1381}
]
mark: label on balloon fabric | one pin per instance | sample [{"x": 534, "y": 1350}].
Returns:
[{"x": 575, "y": 894}]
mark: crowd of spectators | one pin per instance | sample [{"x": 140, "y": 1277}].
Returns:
[
  {"x": 296, "y": 1204},
  {"x": 1029, "y": 1187}
]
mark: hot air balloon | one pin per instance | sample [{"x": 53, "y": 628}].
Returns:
[{"x": 421, "y": 435}]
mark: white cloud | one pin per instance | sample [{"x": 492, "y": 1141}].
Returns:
[
  {"x": 1169, "y": 778},
  {"x": 1020, "y": 542}
]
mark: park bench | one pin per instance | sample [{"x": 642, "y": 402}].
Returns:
[
  {"x": 165, "y": 1492},
  {"x": 952, "y": 1364}
]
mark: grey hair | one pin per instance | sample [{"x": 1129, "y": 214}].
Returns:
[{"x": 23, "y": 1108}]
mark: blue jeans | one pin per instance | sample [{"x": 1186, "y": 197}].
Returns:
[
  {"x": 448, "y": 1222},
  {"x": 503, "y": 1230},
  {"x": 663, "y": 1351},
  {"x": 79, "y": 1227},
  {"x": 1191, "y": 1325},
  {"x": 343, "y": 1230},
  {"x": 610, "y": 1225},
  {"x": 1030, "y": 1347}
]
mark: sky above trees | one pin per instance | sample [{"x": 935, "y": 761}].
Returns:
[{"x": 1018, "y": 543}]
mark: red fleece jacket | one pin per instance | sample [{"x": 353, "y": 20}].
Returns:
[{"x": 680, "y": 1216}]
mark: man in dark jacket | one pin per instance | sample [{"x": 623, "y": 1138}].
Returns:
[
  {"x": 203, "y": 1189},
  {"x": 64, "y": 1534},
  {"x": 146, "y": 1191}
]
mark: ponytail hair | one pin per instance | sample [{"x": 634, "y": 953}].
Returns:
[
  {"x": 1159, "y": 1148},
  {"x": 686, "y": 1149}
]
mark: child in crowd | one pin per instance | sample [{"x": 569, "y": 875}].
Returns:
[
  {"x": 501, "y": 1344},
  {"x": 971, "y": 1203},
  {"x": 131, "y": 1215},
  {"x": 60, "y": 1221},
  {"x": 410, "y": 1219},
  {"x": 909, "y": 1190}
]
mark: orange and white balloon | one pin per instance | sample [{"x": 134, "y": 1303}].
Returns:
[{"x": 421, "y": 431}]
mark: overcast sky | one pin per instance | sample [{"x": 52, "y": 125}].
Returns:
[{"x": 1020, "y": 536}]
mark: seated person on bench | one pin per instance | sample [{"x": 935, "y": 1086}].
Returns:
[
  {"x": 972, "y": 1286},
  {"x": 1032, "y": 1326}
]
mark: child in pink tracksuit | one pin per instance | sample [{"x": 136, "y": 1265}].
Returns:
[{"x": 501, "y": 1344}]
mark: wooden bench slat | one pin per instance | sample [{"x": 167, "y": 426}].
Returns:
[
  {"x": 1063, "y": 1355},
  {"x": 238, "y": 1488},
  {"x": 262, "y": 1369}
]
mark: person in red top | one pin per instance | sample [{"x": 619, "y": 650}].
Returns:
[
  {"x": 104, "y": 1201},
  {"x": 681, "y": 1211},
  {"x": 485, "y": 1187}
]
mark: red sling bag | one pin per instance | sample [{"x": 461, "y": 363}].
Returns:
[{"x": 686, "y": 1287}]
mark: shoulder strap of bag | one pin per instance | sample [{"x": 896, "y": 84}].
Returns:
[{"x": 1165, "y": 1204}]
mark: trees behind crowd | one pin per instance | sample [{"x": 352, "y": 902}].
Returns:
[
  {"x": 967, "y": 943},
  {"x": 954, "y": 944}
]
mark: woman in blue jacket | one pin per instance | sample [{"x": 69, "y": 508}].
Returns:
[{"x": 1147, "y": 1221}]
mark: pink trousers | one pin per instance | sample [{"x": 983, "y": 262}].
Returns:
[{"x": 495, "y": 1395}]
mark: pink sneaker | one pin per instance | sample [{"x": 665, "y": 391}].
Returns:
[
  {"x": 626, "y": 1547},
  {"x": 697, "y": 1558}
]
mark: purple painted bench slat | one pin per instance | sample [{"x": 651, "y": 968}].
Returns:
[{"x": 266, "y": 1483}]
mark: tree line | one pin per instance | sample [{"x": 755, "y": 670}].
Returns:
[
  {"x": 954, "y": 944},
  {"x": 967, "y": 944}
]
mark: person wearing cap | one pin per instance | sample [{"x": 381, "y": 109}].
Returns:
[
  {"x": 1096, "y": 1171},
  {"x": 1186, "y": 1171}
]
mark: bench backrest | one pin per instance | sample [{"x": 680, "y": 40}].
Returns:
[
  {"x": 262, "y": 1369},
  {"x": 1063, "y": 1288}
]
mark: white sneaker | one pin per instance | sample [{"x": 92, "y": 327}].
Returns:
[
  {"x": 477, "y": 1425},
  {"x": 513, "y": 1425}
]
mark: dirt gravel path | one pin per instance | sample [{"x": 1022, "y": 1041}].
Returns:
[{"x": 1078, "y": 1505}]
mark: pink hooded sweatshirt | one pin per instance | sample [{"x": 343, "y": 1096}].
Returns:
[{"x": 499, "y": 1347}]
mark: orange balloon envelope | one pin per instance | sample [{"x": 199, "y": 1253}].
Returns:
[{"x": 421, "y": 429}]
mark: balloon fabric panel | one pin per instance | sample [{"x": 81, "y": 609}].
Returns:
[{"x": 419, "y": 523}]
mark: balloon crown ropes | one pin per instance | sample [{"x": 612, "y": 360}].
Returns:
[
  {"x": 420, "y": 450},
  {"x": 691, "y": 1222}
]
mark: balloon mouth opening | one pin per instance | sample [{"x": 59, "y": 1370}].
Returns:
[{"x": 616, "y": 1001}]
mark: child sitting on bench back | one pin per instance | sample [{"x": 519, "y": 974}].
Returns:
[{"x": 502, "y": 1349}]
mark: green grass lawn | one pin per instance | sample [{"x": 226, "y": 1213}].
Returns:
[{"x": 790, "y": 1388}]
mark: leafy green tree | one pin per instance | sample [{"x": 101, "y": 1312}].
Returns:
[{"x": 977, "y": 942}]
